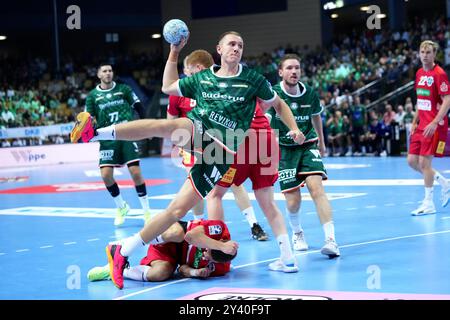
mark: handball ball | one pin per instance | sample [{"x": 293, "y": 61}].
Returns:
[{"x": 174, "y": 30}]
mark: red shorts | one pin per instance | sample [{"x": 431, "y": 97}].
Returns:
[
  {"x": 165, "y": 252},
  {"x": 257, "y": 158},
  {"x": 427, "y": 146}
]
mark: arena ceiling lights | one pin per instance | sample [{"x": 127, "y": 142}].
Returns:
[{"x": 2, "y": 37}]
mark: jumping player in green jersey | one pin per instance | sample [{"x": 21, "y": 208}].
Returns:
[
  {"x": 302, "y": 164},
  {"x": 226, "y": 98},
  {"x": 111, "y": 103}
]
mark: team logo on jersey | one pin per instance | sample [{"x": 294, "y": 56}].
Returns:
[
  {"x": 108, "y": 95},
  {"x": 215, "y": 229},
  {"x": 222, "y": 85},
  {"x": 444, "y": 87},
  {"x": 294, "y": 106}
]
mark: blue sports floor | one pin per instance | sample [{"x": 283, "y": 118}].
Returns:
[{"x": 55, "y": 222}]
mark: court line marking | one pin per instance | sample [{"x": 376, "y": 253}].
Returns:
[
  {"x": 45, "y": 247},
  {"x": 22, "y": 250},
  {"x": 95, "y": 239},
  {"x": 298, "y": 254},
  {"x": 69, "y": 243}
]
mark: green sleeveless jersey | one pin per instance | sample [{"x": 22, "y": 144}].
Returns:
[
  {"x": 303, "y": 105},
  {"x": 111, "y": 106},
  {"x": 225, "y": 105}
]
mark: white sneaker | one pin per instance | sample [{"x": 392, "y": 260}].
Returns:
[
  {"x": 299, "y": 242},
  {"x": 445, "y": 196},
  {"x": 279, "y": 265},
  {"x": 348, "y": 154},
  {"x": 330, "y": 249},
  {"x": 120, "y": 214},
  {"x": 427, "y": 207},
  {"x": 383, "y": 153}
]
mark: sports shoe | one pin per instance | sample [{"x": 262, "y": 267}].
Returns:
[
  {"x": 427, "y": 207},
  {"x": 258, "y": 233},
  {"x": 120, "y": 214},
  {"x": 84, "y": 130},
  {"x": 330, "y": 249},
  {"x": 147, "y": 216},
  {"x": 117, "y": 263},
  {"x": 279, "y": 265},
  {"x": 445, "y": 196},
  {"x": 99, "y": 273},
  {"x": 299, "y": 242}
]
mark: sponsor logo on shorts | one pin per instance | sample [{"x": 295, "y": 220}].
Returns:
[
  {"x": 215, "y": 229},
  {"x": 228, "y": 177},
  {"x": 287, "y": 174},
  {"x": 441, "y": 147},
  {"x": 106, "y": 154}
]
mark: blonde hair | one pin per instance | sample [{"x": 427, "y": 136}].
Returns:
[
  {"x": 223, "y": 35},
  {"x": 201, "y": 57},
  {"x": 429, "y": 43}
]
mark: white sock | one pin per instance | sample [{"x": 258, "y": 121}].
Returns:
[
  {"x": 429, "y": 193},
  {"x": 144, "y": 203},
  {"x": 198, "y": 216},
  {"x": 249, "y": 214},
  {"x": 158, "y": 240},
  {"x": 441, "y": 179},
  {"x": 106, "y": 133},
  {"x": 328, "y": 228},
  {"x": 294, "y": 221},
  {"x": 119, "y": 201},
  {"x": 138, "y": 273},
  {"x": 285, "y": 249},
  {"x": 130, "y": 244}
]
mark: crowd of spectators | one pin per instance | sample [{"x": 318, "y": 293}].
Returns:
[{"x": 31, "y": 96}]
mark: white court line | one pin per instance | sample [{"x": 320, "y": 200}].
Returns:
[
  {"x": 2, "y": 253},
  {"x": 45, "y": 247},
  {"x": 351, "y": 209},
  {"x": 298, "y": 254},
  {"x": 69, "y": 243},
  {"x": 445, "y": 218},
  {"x": 311, "y": 212},
  {"x": 370, "y": 207},
  {"x": 408, "y": 202},
  {"x": 22, "y": 250},
  {"x": 96, "y": 239},
  {"x": 389, "y": 204},
  {"x": 151, "y": 289}
]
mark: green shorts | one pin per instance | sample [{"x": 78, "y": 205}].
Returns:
[
  {"x": 211, "y": 161},
  {"x": 297, "y": 163},
  {"x": 118, "y": 153}
]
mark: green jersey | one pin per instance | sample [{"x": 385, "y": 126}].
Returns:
[
  {"x": 303, "y": 105},
  {"x": 358, "y": 115},
  {"x": 111, "y": 106},
  {"x": 225, "y": 105}
]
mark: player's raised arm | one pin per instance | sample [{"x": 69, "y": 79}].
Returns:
[{"x": 170, "y": 75}]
